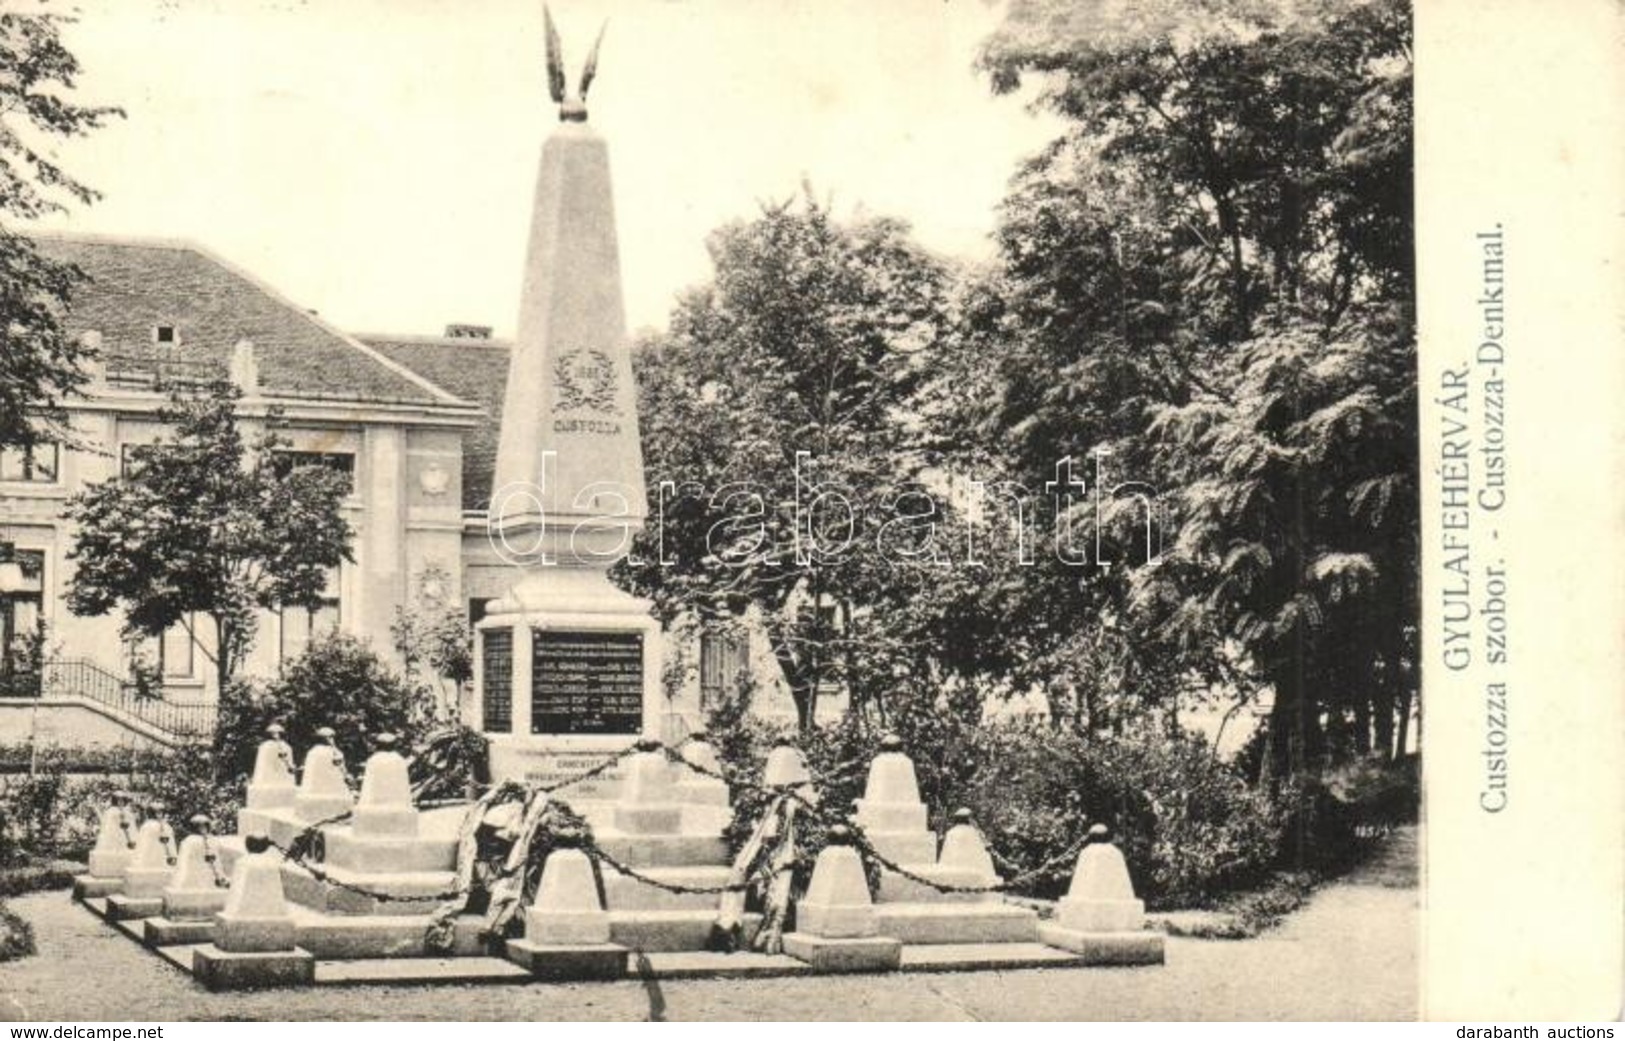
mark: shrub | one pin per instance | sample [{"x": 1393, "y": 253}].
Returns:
[
  {"x": 16, "y": 936},
  {"x": 451, "y": 763},
  {"x": 54, "y": 813},
  {"x": 1190, "y": 826},
  {"x": 38, "y": 878},
  {"x": 338, "y": 682}
]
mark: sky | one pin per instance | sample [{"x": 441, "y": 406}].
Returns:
[{"x": 374, "y": 160}]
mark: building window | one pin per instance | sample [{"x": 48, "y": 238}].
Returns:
[
  {"x": 338, "y": 462},
  {"x": 22, "y": 618},
  {"x": 35, "y": 464},
  {"x": 164, "y": 334},
  {"x": 723, "y": 657},
  {"x": 129, "y": 457},
  {"x": 176, "y": 651},
  {"x": 301, "y": 625}
]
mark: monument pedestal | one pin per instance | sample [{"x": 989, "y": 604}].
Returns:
[
  {"x": 567, "y": 676},
  {"x": 566, "y": 663}
]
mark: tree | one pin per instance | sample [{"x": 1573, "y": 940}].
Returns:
[
  {"x": 339, "y": 682},
  {"x": 437, "y": 636},
  {"x": 789, "y": 376},
  {"x": 1210, "y": 276},
  {"x": 39, "y": 364},
  {"x": 207, "y": 523}
]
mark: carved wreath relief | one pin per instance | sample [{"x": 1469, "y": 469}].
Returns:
[{"x": 584, "y": 380}]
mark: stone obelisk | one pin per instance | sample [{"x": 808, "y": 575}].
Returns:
[{"x": 568, "y": 665}]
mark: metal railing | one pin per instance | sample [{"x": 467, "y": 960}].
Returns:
[{"x": 77, "y": 677}]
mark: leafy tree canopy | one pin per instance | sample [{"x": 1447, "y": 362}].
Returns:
[
  {"x": 207, "y": 522},
  {"x": 39, "y": 364},
  {"x": 790, "y": 376},
  {"x": 1209, "y": 277}
]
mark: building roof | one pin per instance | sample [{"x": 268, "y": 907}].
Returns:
[
  {"x": 471, "y": 368},
  {"x": 137, "y": 285}
]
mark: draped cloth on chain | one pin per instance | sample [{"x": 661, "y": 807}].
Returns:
[{"x": 769, "y": 856}]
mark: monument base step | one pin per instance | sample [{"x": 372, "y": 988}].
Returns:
[
  {"x": 685, "y": 930},
  {"x": 706, "y": 819},
  {"x": 856, "y": 954},
  {"x": 957, "y": 923},
  {"x": 414, "y": 893},
  {"x": 282, "y": 826},
  {"x": 980, "y": 957},
  {"x": 192, "y": 905},
  {"x": 345, "y": 937},
  {"x": 224, "y": 970},
  {"x": 895, "y": 889},
  {"x": 122, "y": 908},
  {"x": 623, "y": 893},
  {"x": 641, "y": 851},
  {"x": 387, "y": 856},
  {"x": 91, "y": 887},
  {"x": 1133, "y": 948},
  {"x": 577, "y": 961},
  {"x": 166, "y": 932}
]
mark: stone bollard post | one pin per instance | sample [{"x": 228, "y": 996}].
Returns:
[
  {"x": 111, "y": 854},
  {"x": 707, "y": 808},
  {"x": 254, "y": 934},
  {"x": 385, "y": 808},
  {"x": 965, "y": 860},
  {"x": 194, "y": 892},
  {"x": 646, "y": 805},
  {"x": 1100, "y": 918},
  {"x": 149, "y": 871},
  {"x": 272, "y": 787},
  {"x": 894, "y": 820},
  {"x": 567, "y": 930},
  {"x": 109, "y": 858},
  {"x": 786, "y": 767},
  {"x": 323, "y": 792},
  {"x": 836, "y": 926}
]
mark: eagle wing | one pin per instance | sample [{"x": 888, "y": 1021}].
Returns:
[
  {"x": 589, "y": 70},
  {"x": 555, "y": 58}
]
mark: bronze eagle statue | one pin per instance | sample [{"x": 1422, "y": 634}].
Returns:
[{"x": 571, "y": 109}]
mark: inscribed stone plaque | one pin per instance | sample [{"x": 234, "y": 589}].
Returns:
[
  {"x": 586, "y": 683},
  {"x": 496, "y": 706}
]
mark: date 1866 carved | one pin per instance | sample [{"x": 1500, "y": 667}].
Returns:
[{"x": 585, "y": 381}]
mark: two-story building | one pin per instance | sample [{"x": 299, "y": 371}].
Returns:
[{"x": 412, "y": 421}]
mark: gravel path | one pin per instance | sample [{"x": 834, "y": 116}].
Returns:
[{"x": 1350, "y": 954}]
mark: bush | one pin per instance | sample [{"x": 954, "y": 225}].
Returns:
[
  {"x": 39, "y": 878},
  {"x": 18, "y": 758},
  {"x": 16, "y": 936},
  {"x": 54, "y": 813},
  {"x": 338, "y": 682},
  {"x": 1190, "y": 827},
  {"x": 1332, "y": 814},
  {"x": 451, "y": 764}
]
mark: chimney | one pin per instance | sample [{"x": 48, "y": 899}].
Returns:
[
  {"x": 245, "y": 370},
  {"x": 94, "y": 364}
]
